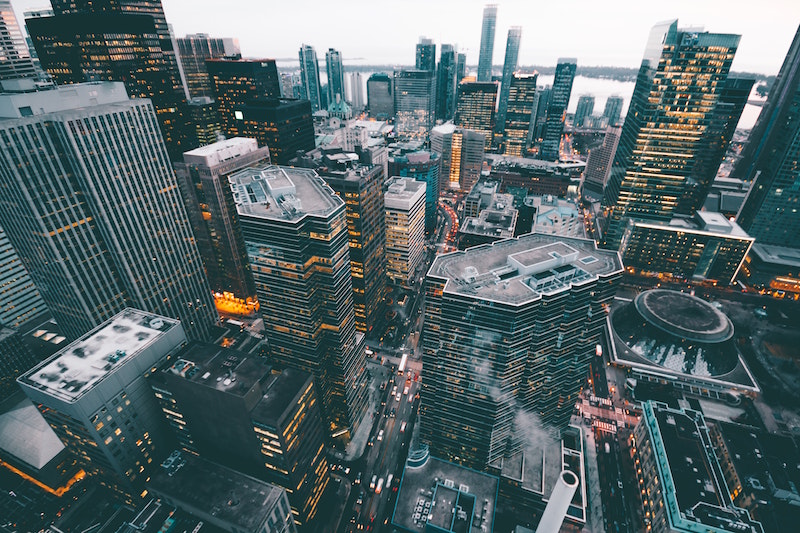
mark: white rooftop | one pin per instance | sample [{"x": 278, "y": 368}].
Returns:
[
  {"x": 64, "y": 98},
  {"x": 220, "y": 152},
  {"x": 78, "y": 367},
  {"x": 25, "y": 434}
]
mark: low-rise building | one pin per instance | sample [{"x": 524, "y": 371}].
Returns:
[{"x": 773, "y": 269}]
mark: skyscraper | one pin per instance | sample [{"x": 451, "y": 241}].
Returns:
[
  {"x": 426, "y": 54},
  {"x": 414, "y": 102},
  {"x": 666, "y": 131},
  {"x": 125, "y": 41},
  {"x": 520, "y": 115},
  {"x": 264, "y": 422},
  {"x": 769, "y": 212},
  {"x": 584, "y": 110},
  {"x": 598, "y": 166},
  {"x": 20, "y": 300},
  {"x": 193, "y": 50},
  {"x": 356, "y": 91},
  {"x": 309, "y": 75},
  {"x": 380, "y": 98},
  {"x": 613, "y": 109},
  {"x": 15, "y": 359},
  {"x": 361, "y": 189},
  {"x": 475, "y": 107},
  {"x": 335, "y": 70},
  {"x": 203, "y": 180},
  {"x": 509, "y": 67},
  {"x": 487, "y": 43},
  {"x": 557, "y": 108},
  {"x": 461, "y": 153},
  {"x": 15, "y": 59},
  {"x": 421, "y": 165},
  {"x": 295, "y": 229},
  {"x": 284, "y": 125},
  {"x": 446, "y": 83},
  {"x": 510, "y": 329},
  {"x": 235, "y": 82},
  {"x": 94, "y": 395},
  {"x": 461, "y": 67},
  {"x": 203, "y": 122},
  {"x": 98, "y": 236},
  {"x": 405, "y": 228}
]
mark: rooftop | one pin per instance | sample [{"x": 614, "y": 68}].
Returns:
[
  {"x": 693, "y": 485},
  {"x": 517, "y": 271},
  {"x": 402, "y": 193},
  {"x": 220, "y": 152},
  {"x": 282, "y": 193},
  {"x": 280, "y": 391},
  {"x": 704, "y": 222},
  {"x": 25, "y": 434},
  {"x": 81, "y": 365},
  {"x": 684, "y": 315},
  {"x": 779, "y": 255},
  {"x": 58, "y": 99},
  {"x": 445, "y": 495},
  {"x": 498, "y": 220},
  {"x": 223, "y": 493}
]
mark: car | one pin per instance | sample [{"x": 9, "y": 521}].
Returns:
[
  {"x": 405, "y": 390},
  {"x": 411, "y": 398},
  {"x": 402, "y": 427},
  {"x": 399, "y": 395},
  {"x": 371, "y": 441},
  {"x": 358, "y": 479},
  {"x": 380, "y": 435},
  {"x": 372, "y": 483}
]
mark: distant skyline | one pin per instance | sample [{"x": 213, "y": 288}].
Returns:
[{"x": 611, "y": 33}]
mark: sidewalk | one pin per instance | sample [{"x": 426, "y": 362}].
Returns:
[{"x": 594, "y": 521}]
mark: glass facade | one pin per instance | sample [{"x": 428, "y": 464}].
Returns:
[
  {"x": 557, "y": 109},
  {"x": 475, "y": 108},
  {"x": 520, "y": 115},
  {"x": 20, "y": 300},
  {"x": 487, "y": 43},
  {"x": 193, "y": 51},
  {"x": 509, "y": 67},
  {"x": 446, "y": 83},
  {"x": 335, "y": 71},
  {"x": 309, "y": 76},
  {"x": 414, "y": 102}
]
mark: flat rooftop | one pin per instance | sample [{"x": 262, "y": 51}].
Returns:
[
  {"x": 434, "y": 492},
  {"x": 517, "y": 271},
  {"x": 219, "y": 368},
  {"x": 703, "y": 223},
  {"x": 282, "y": 193},
  {"x": 778, "y": 255},
  {"x": 76, "y": 369},
  {"x": 221, "y": 152},
  {"x": 694, "y": 488},
  {"x": 223, "y": 493},
  {"x": 280, "y": 391},
  {"x": 684, "y": 315}
]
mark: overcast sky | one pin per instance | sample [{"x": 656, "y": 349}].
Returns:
[{"x": 610, "y": 32}]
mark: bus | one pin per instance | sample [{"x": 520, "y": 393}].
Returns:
[{"x": 402, "y": 367}]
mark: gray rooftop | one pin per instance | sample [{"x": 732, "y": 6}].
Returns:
[
  {"x": 25, "y": 434},
  {"x": 778, "y": 255},
  {"x": 432, "y": 493},
  {"x": 223, "y": 493},
  {"x": 403, "y": 193},
  {"x": 282, "y": 193},
  {"x": 518, "y": 271},
  {"x": 59, "y": 99},
  {"x": 77, "y": 368},
  {"x": 220, "y": 152}
]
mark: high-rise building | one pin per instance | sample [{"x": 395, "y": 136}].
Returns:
[
  {"x": 405, "y": 228},
  {"x": 295, "y": 230},
  {"x": 380, "y": 99},
  {"x": 335, "y": 71},
  {"x": 361, "y": 189},
  {"x": 680, "y": 480},
  {"x": 426, "y": 54},
  {"x": 510, "y": 329},
  {"x": 542, "y": 101},
  {"x": 770, "y": 212},
  {"x": 98, "y": 237},
  {"x": 666, "y": 131},
  {"x": 203, "y": 122},
  {"x": 509, "y": 67},
  {"x": 461, "y": 153},
  {"x": 309, "y": 74},
  {"x": 203, "y": 180},
  {"x": 487, "y": 43},
  {"x": 598, "y": 166},
  {"x": 263, "y": 422},
  {"x": 15, "y": 359},
  {"x": 125, "y": 41},
  {"x": 584, "y": 110},
  {"x": 223, "y": 499},
  {"x": 446, "y": 83},
  {"x": 727, "y": 112},
  {"x": 235, "y": 82},
  {"x": 557, "y": 108},
  {"x": 355, "y": 90},
  {"x": 20, "y": 301},
  {"x": 414, "y": 102},
  {"x": 461, "y": 68},
  {"x": 424, "y": 166},
  {"x": 15, "y": 59},
  {"x": 613, "y": 109},
  {"x": 193, "y": 51},
  {"x": 94, "y": 395},
  {"x": 285, "y": 126},
  {"x": 475, "y": 108},
  {"x": 520, "y": 115}
]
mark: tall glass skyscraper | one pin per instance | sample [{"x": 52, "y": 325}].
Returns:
[
  {"x": 487, "y": 43},
  {"x": 90, "y": 202},
  {"x": 380, "y": 99},
  {"x": 446, "y": 83},
  {"x": 335, "y": 69},
  {"x": 557, "y": 108},
  {"x": 309, "y": 75},
  {"x": 666, "y": 131},
  {"x": 613, "y": 109},
  {"x": 295, "y": 231},
  {"x": 770, "y": 211},
  {"x": 194, "y": 50},
  {"x": 509, "y": 67},
  {"x": 426, "y": 54},
  {"x": 16, "y": 59},
  {"x": 520, "y": 115},
  {"x": 584, "y": 110},
  {"x": 475, "y": 107},
  {"x": 414, "y": 102}
]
